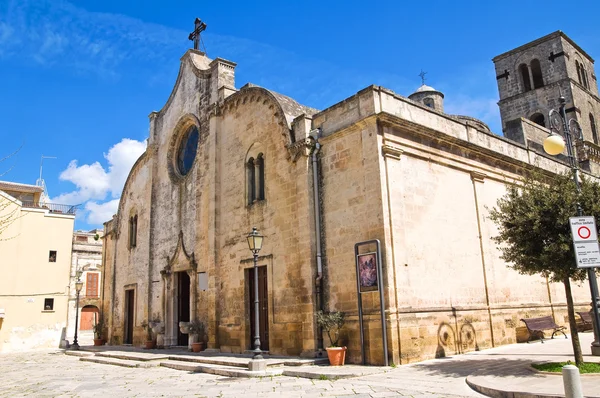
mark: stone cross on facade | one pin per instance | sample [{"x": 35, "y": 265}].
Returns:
[
  {"x": 199, "y": 27},
  {"x": 422, "y": 74}
]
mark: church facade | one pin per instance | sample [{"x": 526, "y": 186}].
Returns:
[{"x": 375, "y": 166}]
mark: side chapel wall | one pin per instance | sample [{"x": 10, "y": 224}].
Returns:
[{"x": 252, "y": 122}]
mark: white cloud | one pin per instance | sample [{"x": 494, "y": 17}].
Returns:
[
  {"x": 93, "y": 182},
  {"x": 99, "y": 213}
]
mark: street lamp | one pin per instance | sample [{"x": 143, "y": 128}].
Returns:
[
  {"x": 553, "y": 145},
  {"x": 255, "y": 241},
  {"x": 78, "y": 286}
]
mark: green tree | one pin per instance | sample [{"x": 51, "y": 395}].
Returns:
[{"x": 534, "y": 232}]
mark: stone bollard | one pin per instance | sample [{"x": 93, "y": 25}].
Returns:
[{"x": 572, "y": 381}]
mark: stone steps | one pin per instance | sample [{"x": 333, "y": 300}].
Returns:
[
  {"x": 132, "y": 356},
  {"x": 220, "y": 370},
  {"x": 120, "y": 362},
  {"x": 79, "y": 353},
  {"x": 230, "y": 362}
]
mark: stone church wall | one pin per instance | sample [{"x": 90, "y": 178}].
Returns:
[
  {"x": 132, "y": 263},
  {"x": 420, "y": 181},
  {"x": 252, "y": 124},
  {"x": 424, "y": 194}
]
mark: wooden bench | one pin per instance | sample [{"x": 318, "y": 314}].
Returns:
[
  {"x": 586, "y": 318},
  {"x": 536, "y": 326}
]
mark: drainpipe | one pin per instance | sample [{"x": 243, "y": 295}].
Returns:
[{"x": 315, "y": 134}]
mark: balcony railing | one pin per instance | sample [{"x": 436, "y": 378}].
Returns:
[
  {"x": 587, "y": 150},
  {"x": 52, "y": 207}
]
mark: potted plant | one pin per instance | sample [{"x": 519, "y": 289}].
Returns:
[
  {"x": 197, "y": 333},
  {"x": 98, "y": 329},
  {"x": 332, "y": 322},
  {"x": 150, "y": 343}
]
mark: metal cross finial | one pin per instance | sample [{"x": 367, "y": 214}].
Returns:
[
  {"x": 422, "y": 74},
  {"x": 199, "y": 27}
]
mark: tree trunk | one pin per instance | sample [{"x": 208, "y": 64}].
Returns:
[{"x": 573, "y": 324}]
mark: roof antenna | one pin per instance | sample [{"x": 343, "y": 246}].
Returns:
[{"x": 41, "y": 183}]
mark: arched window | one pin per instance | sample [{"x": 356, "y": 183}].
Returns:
[
  {"x": 251, "y": 180},
  {"x": 428, "y": 102},
  {"x": 260, "y": 173},
  {"x": 594, "y": 132},
  {"x": 536, "y": 74},
  {"x": 133, "y": 231},
  {"x": 584, "y": 77},
  {"x": 255, "y": 178},
  {"x": 524, "y": 71},
  {"x": 578, "y": 66},
  {"x": 538, "y": 118}
]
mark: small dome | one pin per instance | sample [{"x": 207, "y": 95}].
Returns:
[{"x": 425, "y": 87}]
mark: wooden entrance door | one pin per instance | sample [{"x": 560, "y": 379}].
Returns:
[
  {"x": 183, "y": 305},
  {"x": 129, "y": 316},
  {"x": 263, "y": 306}
]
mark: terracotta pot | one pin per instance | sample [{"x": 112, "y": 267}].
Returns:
[
  {"x": 197, "y": 347},
  {"x": 336, "y": 355},
  {"x": 150, "y": 344},
  {"x": 98, "y": 341}
]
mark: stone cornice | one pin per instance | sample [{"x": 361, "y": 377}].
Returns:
[
  {"x": 300, "y": 148},
  {"x": 391, "y": 152}
]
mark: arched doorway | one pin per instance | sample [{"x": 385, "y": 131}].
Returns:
[{"x": 89, "y": 316}]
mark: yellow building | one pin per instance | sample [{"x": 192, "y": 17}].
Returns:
[{"x": 35, "y": 259}]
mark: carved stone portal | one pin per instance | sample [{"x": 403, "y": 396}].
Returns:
[{"x": 174, "y": 300}]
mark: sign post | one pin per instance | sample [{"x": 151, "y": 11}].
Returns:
[
  {"x": 585, "y": 241},
  {"x": 369, "y": 278}
]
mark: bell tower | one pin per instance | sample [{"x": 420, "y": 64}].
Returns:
[{"x": 532, "y": 77}]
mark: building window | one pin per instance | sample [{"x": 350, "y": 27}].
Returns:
[
  {"x": 428, "y": 102},
  {"x": 251, "y": 180},
  {"x": 255, "y": 177},
  {"x": 582, "y": 75},
  {"x": 536, "y": 74},
  {"x": 133, "y": 231},
  {"x": 49, "y": 304},
  {"x": 188, "y": 146},
  {"x": 593, "y": 126},
  {"x": 52, "y": 256},
  {"x": 91, "y": 284},
  {"x": 578, "y": 67},
  {"x": 260, "y": 174},
  {"x": 524, "y": 72},
  {"x": 538, "y": 118}
]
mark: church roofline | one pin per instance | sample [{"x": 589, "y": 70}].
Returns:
[
  {"x": 290, "y": 107},
  {"x": 553, "y": 35}
]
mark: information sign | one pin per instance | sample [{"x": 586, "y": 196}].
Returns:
[{"x": 585, "y": 241}]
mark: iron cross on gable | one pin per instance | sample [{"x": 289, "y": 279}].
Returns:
[
  {"x": 422, "y": 74},
  {"x": 199, "y": 27}
]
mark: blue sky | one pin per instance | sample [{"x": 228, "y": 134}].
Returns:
[{"x": 79, "y": 78}]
